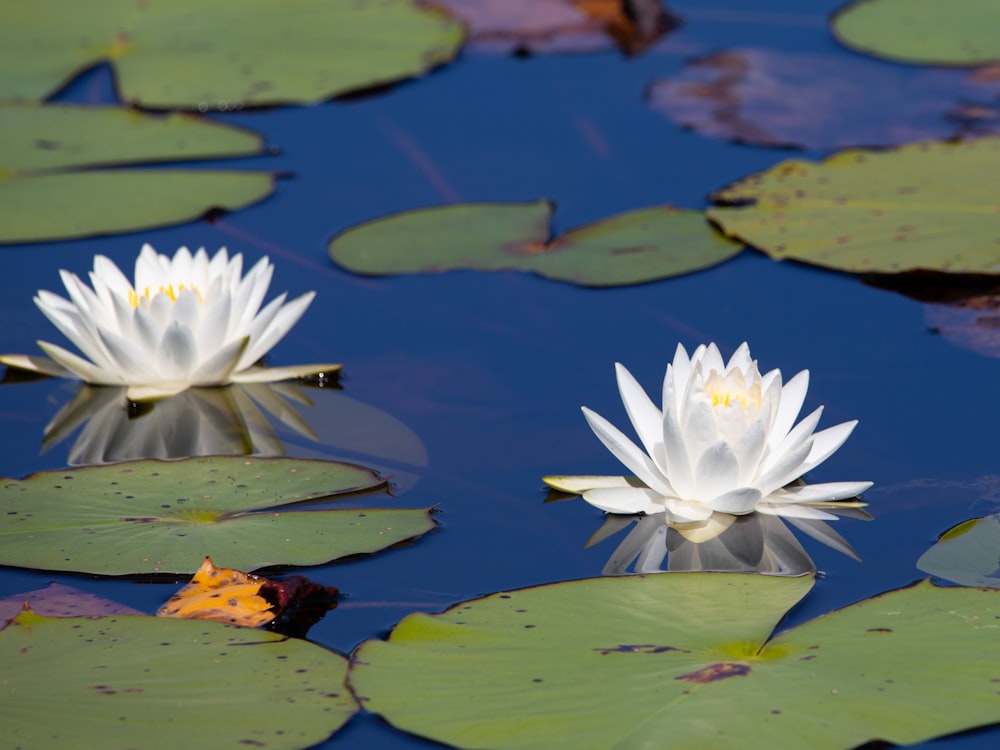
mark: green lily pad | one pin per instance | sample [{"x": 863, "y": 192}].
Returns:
[
  {"x": 154, "y": 682},
  {"x": 630, "y": 248},
  {"x": 55, "y": 180},
  {"x": 967, "y": 554},
  {"x": 928, "y": 32},
  {"x": 686, "y": 660},
  {"x": 930, "y": 206},
  {"x": 187, "y": 54},
  {"x": 165, "y": 516}
]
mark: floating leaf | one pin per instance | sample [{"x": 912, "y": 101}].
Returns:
[
  {"x": 152, "y": 682},
  {"x": 561, "y": 25},
  {"x": 967, "y": 554},
  {"x": 237, "y": 598},
  {"x": 959, "y": 32},
  {"x": 187, "y": 54},
  {"x": 927, "y": 206},
  {"x": 686, "y": 660},
  {"x": 803, "y": 99},
  {"x": 630, "y": 248},
  {"x": 59, "y": 600},
  {"x": 972, "y": 323},
  {"x": 162, "y": 516},
  {"x": 55, "y": 182}
]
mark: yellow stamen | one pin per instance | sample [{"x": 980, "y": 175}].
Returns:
[
  {"x": 732, "y": 389},
  {"x": 169, "y": 290}
]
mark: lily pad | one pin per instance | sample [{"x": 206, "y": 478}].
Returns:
[
  {"x": 187, "y": 54},
  {"x": 56, "y": 181},
  {"x": 630, "y": 248},
  {"x": 967, "y": 554},
  {"x": 928, "y": 32},
  {"x": 686, "y": 660},
  {"x": 152, "y": 682},
  {"x": 165, "y": 516},
  {"x": 821, "y": 101},
  {"x": 929, "y": 206}
]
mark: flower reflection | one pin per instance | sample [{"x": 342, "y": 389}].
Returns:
[
  {"x": 754, "y": 543},
  {"x": 187, "y": 321},
  {"x": 203, "y": 421}
]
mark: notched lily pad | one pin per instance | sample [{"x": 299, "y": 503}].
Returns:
[
  {"x": 56, "y": 181},
  {"x": 928, "y": 32},
  {"x": 131, "y": 681},
  {"x": 967, "y": 554},
  {"x": 630, "y": 248},
  {"x": 931, "y": 206},
  {"x": 164, "y": 516},
  {"x": 686, "y": 660},
  {"x": 187, "y": 54},
  {"x": 809, "y": 100}
]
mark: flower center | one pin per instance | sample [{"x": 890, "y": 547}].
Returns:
[
  {"x": 169, "y": 290},
  {"x": 732, "y": 388}
]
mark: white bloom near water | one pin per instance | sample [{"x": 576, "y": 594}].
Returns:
[
  {"x": 186, "y": 321},
  {"x": 724, "y": 444}
]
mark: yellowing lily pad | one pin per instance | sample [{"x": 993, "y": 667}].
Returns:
[
  {"x": 822, "y": 101},
  {"x": 931, "y": 206},
  {"x": 631, "y": 248},
  {"x": 967, "y": 554},
  {"x": 929, "y": 32},
  {"x": 55, "y": 180},
  {"x": 163, "y": 516},
  {"x": 686, "y": 660},
  {"x": 188, "y": 54},
  {"x": 153, "y": 682}
]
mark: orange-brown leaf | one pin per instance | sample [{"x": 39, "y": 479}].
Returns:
[{"x": 223, "y": 595}]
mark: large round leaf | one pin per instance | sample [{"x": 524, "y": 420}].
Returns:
[
  {"x": 686, "y": 660},
  {"x": 923, "y": 206},
  {"x": 165, "y": 516},
  {"x": 55, "y": 182},
  {"x": 228, "y": 54},
  {"x": 638, "y": 246},
  {"x": 968, "y": 554},
  {"x": 152, "y": 682},
  {"x": 957, "y": 32}
]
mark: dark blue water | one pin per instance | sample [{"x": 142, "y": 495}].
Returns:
[{"x": 489, "y": 370}]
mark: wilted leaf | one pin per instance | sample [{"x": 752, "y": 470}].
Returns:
[
  {"x": 958, "y": 32},
  {"x": 809, "y": 100},
  {"x": 56, "y": 181},
  {"x": 237, "y": 598},
  {"x": 59, "y": 600},
  {"x": 153, "y": 682},
  {"x": 188, "y": 54},
  {"x": 928, "y": 206},
  {"x": 561, "y": 25},
  {"x": 630, "y": 248},
  {"x": 162, "y": 516},
  {"x": 686, "y": 660},
  {"x": 967, "y": 554}
]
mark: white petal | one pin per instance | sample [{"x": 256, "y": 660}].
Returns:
[
  {"x": 217, "y": 369},
  {"x": 741, "y": 359},
  {"x": 577, "y": 485},
  {"x": 738, "y": 502},
  {"x": 794, "y": 511},
  {"x": 678, "y": 468},
  {"x": 41, "y": 365},
  {"x": 716, "y": 472},
  {"x": 749, "y": 450},
  {"x": 289, "y": 372},
  {"x": 126, "y": 358},
  {"x": 625, "y": 500},
  {"x": 799, "y": 434},
  {"x": 827, "y": 441},
  {"x": 187, "y": 310},
  {"x": 645, "y": 417},
  {"x": 683, "y": 511},
  {"x": 178, "y": 354},
  {"x": 111, "y": 276},
  {"x": 287, "y": 317},
  {"x": 712, "y": 360},
  {"x": 80, "y": 367},
  {"x": 793, "y": 395},
  {"x": 140, "y": 393},
  {"x": 786, "y": 468},
  {"x": 627, "y": 452},
  {"x": 699, "y": 429},
  {"x": 811, "y": 493}
]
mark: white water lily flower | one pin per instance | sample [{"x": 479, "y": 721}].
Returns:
[
  {"x": 187, "y": 321},
  {"x": 724, "y": 443}
]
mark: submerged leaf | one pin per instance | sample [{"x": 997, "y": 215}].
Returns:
[
  {"x": 59, "y": 600},
  {"x": 927, "y": 206},
  {"x": 57, "y": 180},
  {"x": 161, "y": 516},
  {"x": 820, "y": 101},
  {"x": 630, "y": 248},
  {"x": 153, "y": 682},
  {"x": 929, "y": 32},
  {"x": 967, "y": 554},
  {"x": 686, "y": 660},
  {"x": 188, "y": 54}
]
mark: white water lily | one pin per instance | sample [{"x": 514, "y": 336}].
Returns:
[
  {"x": 187, "y": 321},
  {"x": 724, "y": 444}
]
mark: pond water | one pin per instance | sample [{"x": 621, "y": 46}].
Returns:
[{"x": 482, "y": 374}]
